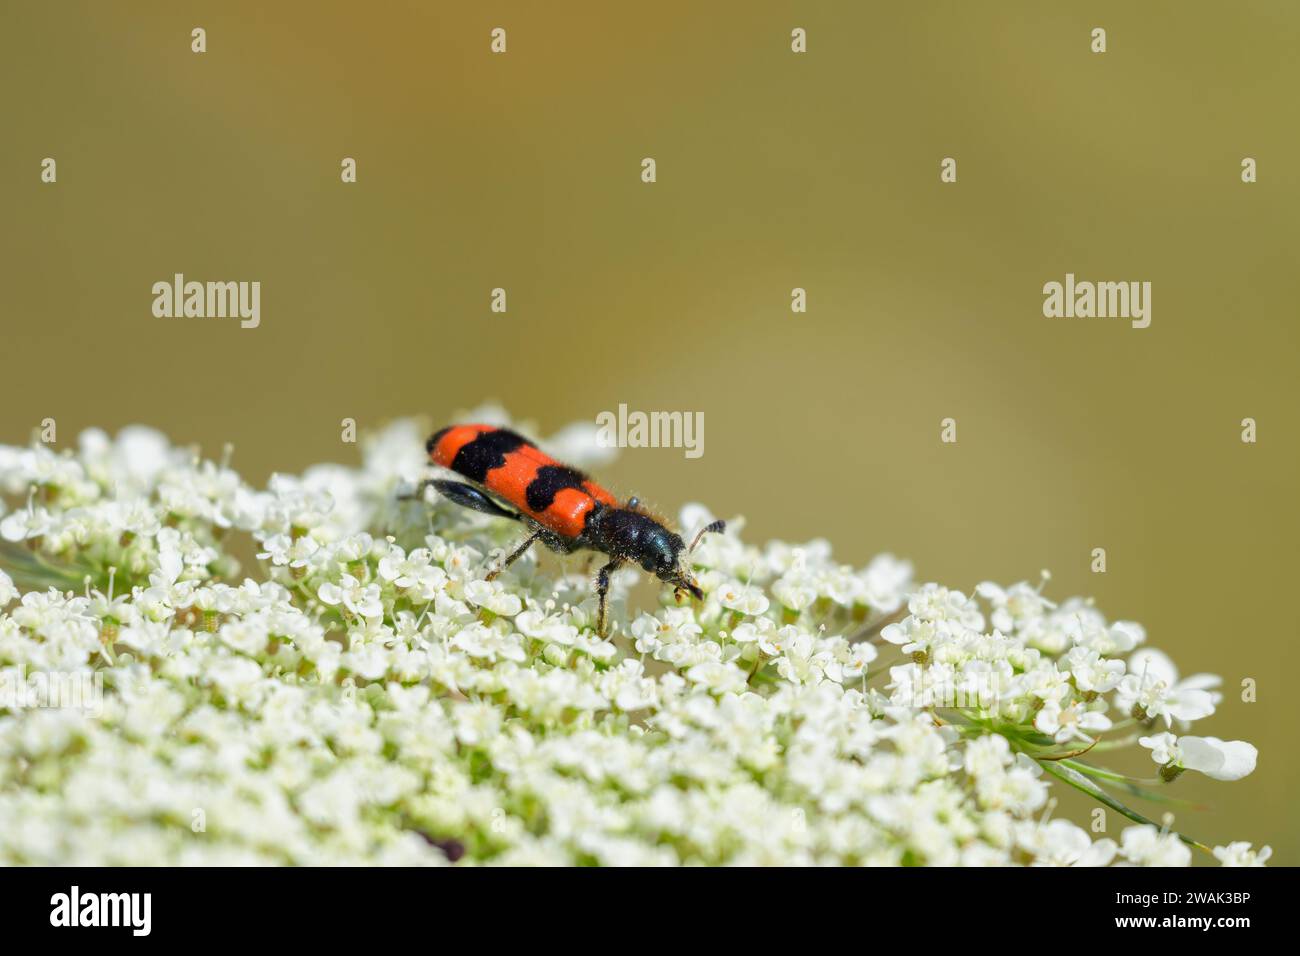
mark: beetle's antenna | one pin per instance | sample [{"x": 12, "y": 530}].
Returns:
[{"x": 718, "y": 527}]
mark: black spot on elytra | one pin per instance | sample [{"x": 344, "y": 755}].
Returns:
[
  {"x": 549, "y": 482},
  {"x": 436, "y": 437},
  {"x": 476, "y": 458}
]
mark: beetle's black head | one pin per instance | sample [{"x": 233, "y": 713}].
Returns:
[
  {"x": 636, "y": 536},
  {"x": 662, "y": 556}
]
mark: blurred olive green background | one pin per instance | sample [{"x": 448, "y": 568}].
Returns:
[{"x": 775, "y": 170}]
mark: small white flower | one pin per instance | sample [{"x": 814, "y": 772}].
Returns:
[
  {"x": 1164, "y": 748},
  {"x": 718, "y": 677},
  {"x": 856, "y": 659},
  {"x": 885, "y": 582},
  {"x": 1093, "y": 673},
  {"x": 248, "y": 636},
  {"x": 1152, "y": 689},
  {"x": 285, "y": 550},
  {"x": 1073, "y": 722},
  {"x": 987, "y": 756},
  {"x": 359, "y": 598},
  {"x": 796, "y": 590},
  {"x": 1014, "y": 607},
  {"x": 1219, "y": 759},
  {"x": 493, "y": 596},
  {"x": 747, "y": 600},
  {"x": 1147, "y": 846},
  {"x": 1241, "y": 854},
  {"x": 1062, "y": 843},
  {"x": 476, "y": 723},
  {"x": 25, "y": 523},
  {"x": 370, "y": 661}
]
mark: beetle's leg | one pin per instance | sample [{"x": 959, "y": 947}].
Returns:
[
  {"x": 517, "y": 553},
  {"x": 602, "y": 591}
]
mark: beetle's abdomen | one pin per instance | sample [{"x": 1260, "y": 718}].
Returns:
[{"x": 510, "y": 466}]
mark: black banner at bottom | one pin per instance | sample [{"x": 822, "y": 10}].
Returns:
[{"x": 488, "y": 905}]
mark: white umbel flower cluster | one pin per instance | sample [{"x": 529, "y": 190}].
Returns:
[{"x": 319, "y": 673}]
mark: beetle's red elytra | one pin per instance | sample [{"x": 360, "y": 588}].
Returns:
[{"x": 554, "y": 495}]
